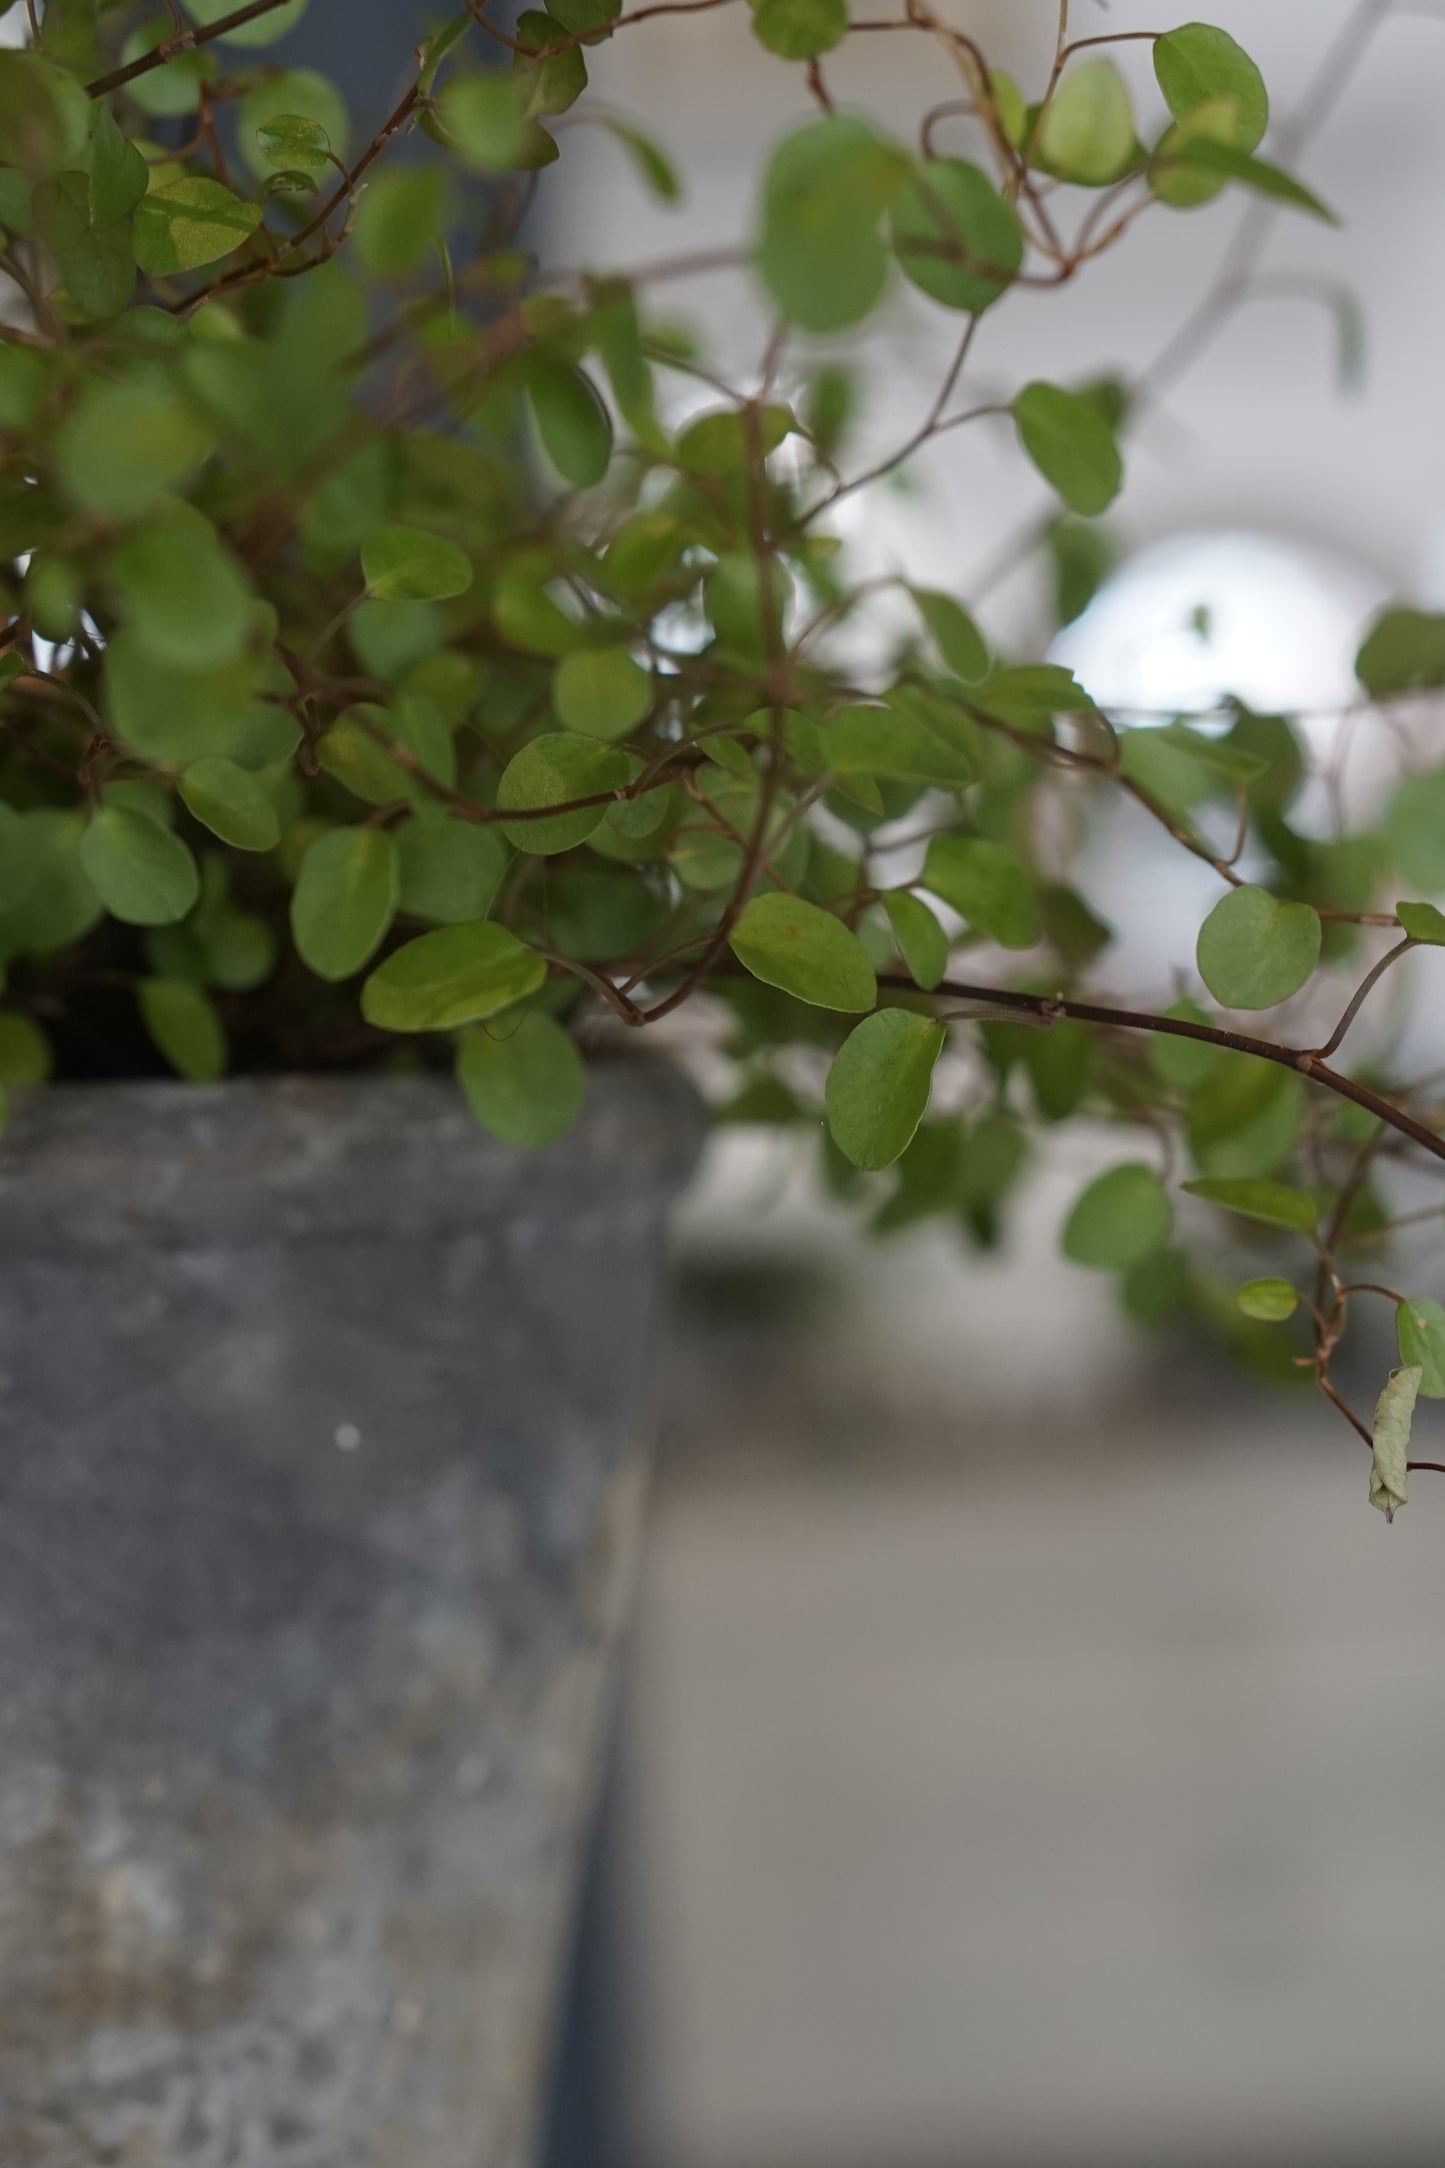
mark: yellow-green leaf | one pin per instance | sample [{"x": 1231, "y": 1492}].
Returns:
[
  {"x": 806, "y": 951},
  {"x": 190, "y": 222},
  {"x": 452, "y": 976}
]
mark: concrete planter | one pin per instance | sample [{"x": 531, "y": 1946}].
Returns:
[{"x": 319, "y": 1478}]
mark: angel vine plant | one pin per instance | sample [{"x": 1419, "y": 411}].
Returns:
[{"x": 388, "y": 679}]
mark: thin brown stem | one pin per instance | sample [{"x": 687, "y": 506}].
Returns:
[
  {"x": 183, "y": 41},
  {"x": 1361, "y": 994}
]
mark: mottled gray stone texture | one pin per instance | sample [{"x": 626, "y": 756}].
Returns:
[{"x": 320, "y": 1454}]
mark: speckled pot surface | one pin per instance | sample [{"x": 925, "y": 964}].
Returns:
[{"x": 320, "y": 1452}]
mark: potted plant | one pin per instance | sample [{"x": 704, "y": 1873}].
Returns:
[{"x": 400, "y": 713}]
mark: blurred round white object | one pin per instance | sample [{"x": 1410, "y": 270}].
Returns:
[
  {"x": 1180, "y": 628},
  {"x": 1188, "y": 622}
]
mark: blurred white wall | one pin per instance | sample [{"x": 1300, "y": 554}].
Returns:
[{"x": 1256, "y": 434}]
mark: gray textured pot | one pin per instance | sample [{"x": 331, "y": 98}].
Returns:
[{"x": 319, "y": 1476}]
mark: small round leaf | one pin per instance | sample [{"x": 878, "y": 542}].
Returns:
[
  {"x": 190, "y": 222},
  {"x": 344, "y": 900},
  {"x": 1255, "y": 950},
  {"x": 805, "y": 951},
  {"x": 1120, "y": 1219},
  {"x": 878, "y": 1087},
  {"x": 406, "y": 564},
  {"x": 140, "y": 871},
  {"x": 1071, "y": 444},
  {"x": 1086, "y": 134},
  {"x": 602, "y": 692},
  {"x": 523, "y": 1081},
  {"x": 1270, "y": 1301},
  {"x": 955, "y": 237},
  {"x": 1198, "y": 63},
  {"x": 800, "y": 29},
  {"x": 182, "y": 1021},
  {"x": 553, "y": 770},
  {"x": 455, "y": 975},
  {"x": 1420, "y": 1330},
  {"x": 232, "y": 804}
]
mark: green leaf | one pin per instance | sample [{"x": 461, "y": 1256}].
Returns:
[
  {"x": 1184, "y": 1063},
  {"x": 572, "y": 421},
  {"x": 551, "y": 85},
  {"x": 1420, "y": 1330},
  {"x": 434, "y": 51},
  {"x": 400, "y": 220},
  {"x": 344, "y": 900},
  {"x": 485, "y": 118},
  {"x": 651, "y": 161},
  {"x": 1414, "y": 827},
  {"x": 1254, "y": 950},
  {"x": 1194, "y": 151},
  {"x": 232, "y": 804},
  {"x": 188, "y": 599},
  {"x": 878, "y": 1087},
  {"x": 59, "y": 905},
  {"x": 98, "y": 266},
  {"x": 552, "y": 771},
  {"x": 21, "y": 857},
  {"x": 450, "y": 869},
  {"x": 922, "y": 942},
  {"x": 1273, "y": 1202},
  {"x": 1198, "y": 63},
  {"x": 723, "y": 440},
  {"x": 190, "y": 222},
  {"x": 800, "y": 29},
  {"x": 524, "y": 1082},
  {"x": 1086, "y": 134},
  {"x": 589, "y": 19},
  {"x": 25, "y": 1056},
  {"x": 986, "y": 885},
  {"x": 119, "y": 175},
  {"x": 126, "y": 446},
  {"x": 1120, "y": 1219},
  {"x": 1245, "y": 1117},
  {"x": 602, "y": 692},
  {"x": 293, "y": 140},
  {"x": 182, "y": 1022},
  {"x": 1032, "y": 693},
  {"x": 406, "y": 564},
  {"x": 291, "y": 95},
  {"x": 1394, "y": 1413},
  {"x": 455, "y": 975},
  {"x": 1422, "y": 922},
  {"x": 351, "y": 754},
  {"x": 955, "y": 237},
  {"x": 821, "y": 253},
  {"x": 891, "y": 742},
  {"x": 1216, "y": 753},
  {"x": 955, "y": 634},
  {"x": 1403, "y": 651},
  {"x": 23, "y": 378},
  {"x": 140, "y": 871},
  {"x": 14, "y": 200},
  {"x": 1071, "y": 444},
  {"x": 1270, "y": 1301},
  {"x": 804, "y": 950},
  {"x": 1185, "y": 186},
  {"x": 529, "y": 617}
]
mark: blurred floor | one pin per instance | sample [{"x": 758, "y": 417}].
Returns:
[{"x": 989, "y": 1793}]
